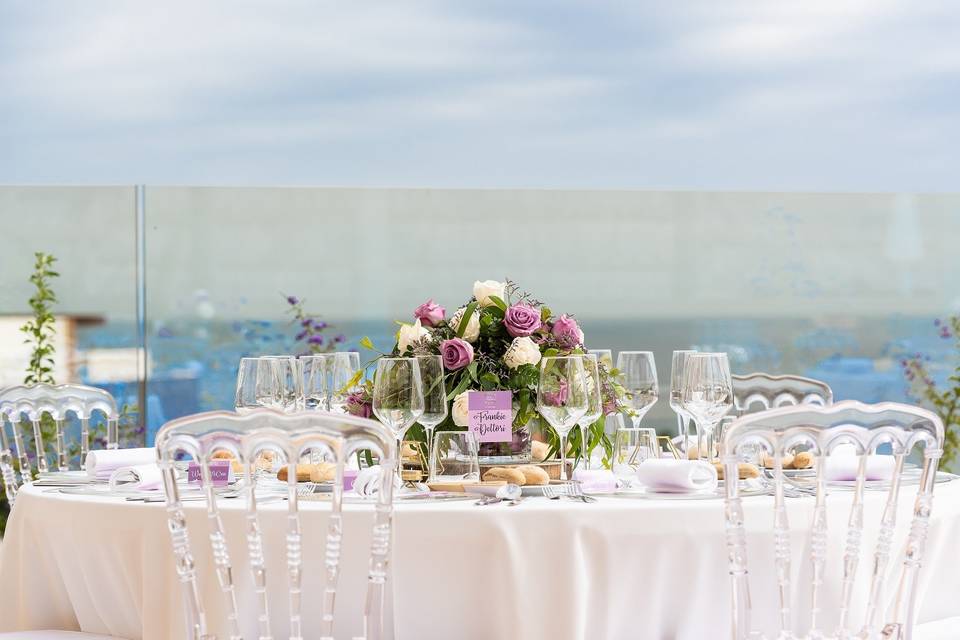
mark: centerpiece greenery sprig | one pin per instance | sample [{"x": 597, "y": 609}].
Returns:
[
  {"x": 945, "y": 402},
  {"x": 40, "y": 328},
  {"x": 494, "y": 342}
]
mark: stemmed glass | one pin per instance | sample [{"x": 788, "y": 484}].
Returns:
[
  {"x": 604, "y": 357},
  {"x": 342, "y": 367},
  {"x": 562, "y": 398},
  {"x": 398, "y": 396},
  {"x": 256, "y": 384},
  {"x": 434, "y": 396},
  {"x": 638, "y": 375},
  {"x": 677, "y": 368},
  {"x": 315, "y": 392},
  {"x": 707, "y": 395},
  {"x": 289, "y": 380},
  {"x": 591, "y": 374},
  {"x": 631, "y": 447}
]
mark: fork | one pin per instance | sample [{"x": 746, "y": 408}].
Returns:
[{"x": 575, "y": 492}]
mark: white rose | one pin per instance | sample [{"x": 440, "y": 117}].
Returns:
[
  {"x": 483, "y": 290},
  {"x": 473, "y": 325},
  {"x": 522, "y": 351},
  {"x": 410, "y": 333},
  {"x": 461, "y": 410}
]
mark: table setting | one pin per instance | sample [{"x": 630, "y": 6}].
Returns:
[{"x": 518, "y": 450}]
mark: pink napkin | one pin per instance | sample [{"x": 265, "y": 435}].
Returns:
[
  {"x": 677, "y": 475},
  {"x": 595, "y": 479}
]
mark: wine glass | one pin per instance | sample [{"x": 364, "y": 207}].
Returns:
[
  {"x": 632, "y": 447},
  {"x": 677, "y": 369},
  {"x": 604, "y": 357},
  {"x": 455, "y": 457},
  {"x": 707, "y": 395},
  {"x": 342, "y": 367},
  {"x": 315, "y": 393},
  {"x": 591, "y": 373},
  {"x": 638, "y": 375},
  {"x": 256, "y": 384},
  {"x": 398, "y": 395},
  {"x": 562, "y": 398},
  {"x": 434, "y": 396},
  {"x": 289, "y": 380}
]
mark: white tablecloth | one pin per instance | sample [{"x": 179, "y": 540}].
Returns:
[{"x": 614, "y": 569}]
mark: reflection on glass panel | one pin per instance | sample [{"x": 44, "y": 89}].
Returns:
[
  {"x": 90, "y": 232},
  {"x": 833, "y": 286}
]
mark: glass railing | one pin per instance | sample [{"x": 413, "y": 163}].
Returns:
[{"x": 838, "y": 287}]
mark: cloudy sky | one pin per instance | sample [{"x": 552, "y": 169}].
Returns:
[{"x": 832, "y": 95}]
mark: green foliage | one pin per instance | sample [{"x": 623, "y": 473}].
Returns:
[
  {"x": 40, "y": 328},
  {"x": 945, "y": 402}
]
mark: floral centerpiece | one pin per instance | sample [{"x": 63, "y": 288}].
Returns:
[{"x": 494, "y": 342}]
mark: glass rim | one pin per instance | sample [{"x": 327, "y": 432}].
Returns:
[
  {"x": 620, "y": 353},
  {"x": 391, "y": 358}
]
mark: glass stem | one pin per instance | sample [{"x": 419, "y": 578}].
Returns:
[
  {"x": 682, "y": 431},
  {"x": 584, "y": 445},
  {"x": 563, "y": 457},
  {"x": 429, "y": 431}
]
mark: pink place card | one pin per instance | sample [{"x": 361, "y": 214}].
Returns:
[
  {"x": 221, "y": 472},
  {"x": 491, "y": 415}
]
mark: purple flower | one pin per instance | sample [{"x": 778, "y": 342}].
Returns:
[
  {"x": 557, "y": 398},
  {"x": 293, "y": 300},
  {"x": 567, "y": 332},
  {"x": 457, "y": 353},
  {"x": 315, "y": 339},
  {"x": 357, "y": 405},
  {"x": 340, "y": 338},
  {"x": 521, "y": 320},
  {"x": 429, "y": 313},
  {"x": 320, "y": 325},
  {"x": 306, "y": 322},
  {"x": 300, "y": 336}
]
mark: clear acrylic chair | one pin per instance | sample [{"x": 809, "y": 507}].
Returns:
[
  {"x": 822, "y": 429},
  {"x": 289, "y": 436},
  {"x": 58, "y": 401},
  {"x": 761, "y": 391}
]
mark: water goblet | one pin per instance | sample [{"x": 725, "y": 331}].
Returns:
[
  {"x": 343, "y": 368},
  {"x": 591, "y": 372},
  {"x": 707, "y": 395},
  {"x": 638, "y": 375},
  {"x": 398, "y": 395},
  {"x": 562, "y": 398},
  {"x": 434, "y": 395},
  {"x": 677, "y": 368}
]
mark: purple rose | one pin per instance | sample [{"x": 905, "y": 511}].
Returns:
[
  {"x": 557, "y": 398},
  {"x": 457, "y": 353},
  {"x": 358, "y": 405},
  {"x": 567, "y": 332},
  {"x": 521, "y": 320},
  {"x": 293, "y": 300},
  {"x": 430, "y": 313}
]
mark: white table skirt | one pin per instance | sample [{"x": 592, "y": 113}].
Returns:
[{"x": 614, "y": 569}]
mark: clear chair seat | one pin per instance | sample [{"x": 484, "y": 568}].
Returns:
[{"x": 946, "y": 629}]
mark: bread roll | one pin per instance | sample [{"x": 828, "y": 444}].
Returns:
[
  {"x": 745, "y": 470},
  {"x": 304, "y": 472},
  {"x": 539, "y": 451},
  {"x": 533, "y": 475},
  {"x": 786, "y": 461},
  {"x": 505, "y": 473},
  {"x": 803, "y": 460},
  {"x": 323, "y": 472}
]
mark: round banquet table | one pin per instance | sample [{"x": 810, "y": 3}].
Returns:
[{"x": 617, "y": 568}]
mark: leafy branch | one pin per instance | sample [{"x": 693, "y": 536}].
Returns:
[
  {"x": 946, "y": 402},
  {"x": 40, "y": 328}
]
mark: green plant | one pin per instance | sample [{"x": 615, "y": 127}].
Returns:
[
  {"x": 40, "y": 328},
  {"x": 946, "y": 402}
]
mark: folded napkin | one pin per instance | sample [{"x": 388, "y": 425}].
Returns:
[
  {"x": 143, "y": 477},
  {"x": 368, "y": 481},
  {"x": 676, "y": 475},
  {"x": 595, "y": 479},
  {"x": 103, "y": 462},
  {"x": 842, "y": 466}
]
